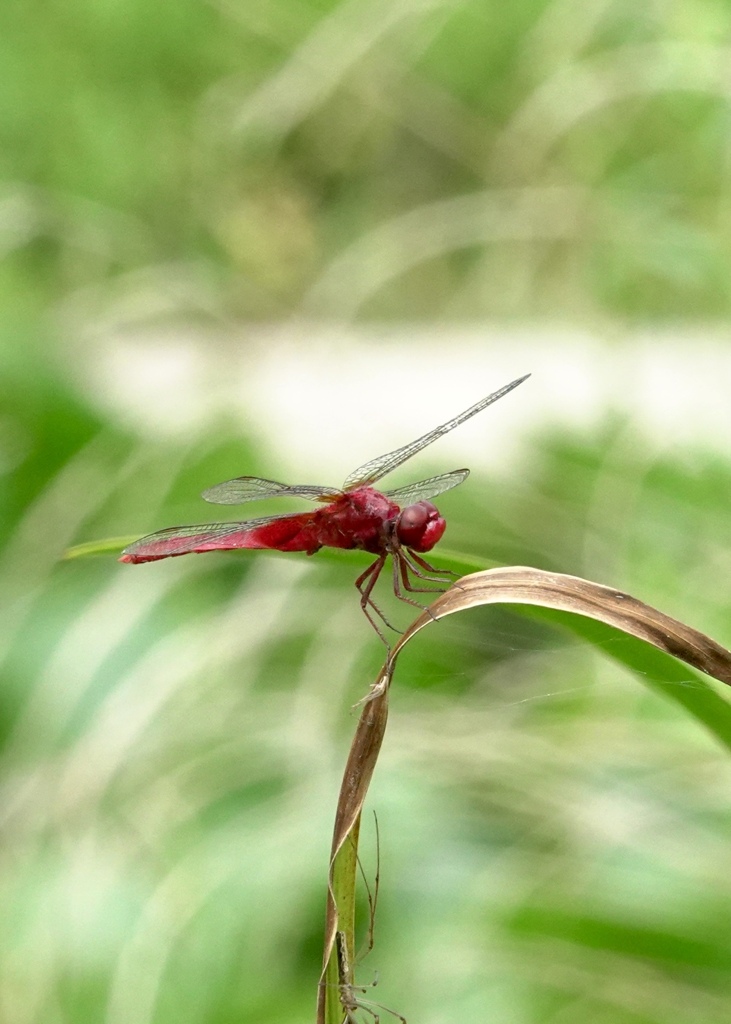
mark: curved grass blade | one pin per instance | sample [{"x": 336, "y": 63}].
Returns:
[{"x": 599, "y": 614}]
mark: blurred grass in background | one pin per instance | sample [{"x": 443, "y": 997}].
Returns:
[{"x": 555, "y": 837}]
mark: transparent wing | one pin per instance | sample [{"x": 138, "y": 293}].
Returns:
[
  {"x": 180, "y": 540},
  {"x": 254, "y": 488},
  {"x": 376, "y": 468},
  {"x": 424, "y": 489}
]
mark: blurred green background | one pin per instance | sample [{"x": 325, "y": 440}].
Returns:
[{"x": 198, "y": 203}]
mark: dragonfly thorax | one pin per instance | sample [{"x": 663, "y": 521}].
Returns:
[{"x": 420, "y": 526}]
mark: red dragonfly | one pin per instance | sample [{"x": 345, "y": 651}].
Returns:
[{"x": 401, "y": 523}]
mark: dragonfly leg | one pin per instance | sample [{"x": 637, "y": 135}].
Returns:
[
  {"x": 400, "y": 569},
  {"x": 365, "y": 584},
  {"x": 412, "y": 557},
  {"x": 408, "y": 566}
]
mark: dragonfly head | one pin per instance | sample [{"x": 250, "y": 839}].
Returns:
[{"x": 420, "y": 526}]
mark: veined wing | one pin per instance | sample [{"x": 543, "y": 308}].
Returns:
[
  {"x": 264, "y": 532},
  {"x": 254, "y": 488},
  {"x": 371, "y": 471},
  {"x": 424, "y": 489}
]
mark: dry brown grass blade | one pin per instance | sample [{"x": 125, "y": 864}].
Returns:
[
  {"x": 513, "y": 585},
  {"x": 359, "y": 769},
  {"x": 524, "y": 585}
]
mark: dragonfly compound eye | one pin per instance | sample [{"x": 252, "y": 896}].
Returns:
[{"x": 420, "y": 526}]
